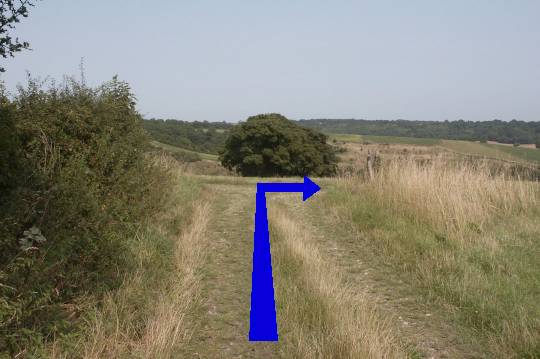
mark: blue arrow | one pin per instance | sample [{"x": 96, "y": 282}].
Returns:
[{"x": 262, "y": 317}]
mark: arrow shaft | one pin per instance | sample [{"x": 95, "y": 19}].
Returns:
[
  {"x": 262, "y": 317},
  {"x": 280, "y": 187}
]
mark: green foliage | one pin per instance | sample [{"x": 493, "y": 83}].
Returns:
[
  {"x": 11, "y": 156},
  {"x": 11, "y": 13},
  {"x": 496, "y": 130},
  {"x": 271, "y": 145},
  {"x": 197, "y": 136},
  {"x": 74, "y": 181}
]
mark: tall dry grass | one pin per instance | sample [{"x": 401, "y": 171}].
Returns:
[
  {"x": 464, "y": 236},
  {"x": 453, "y": 198},
  {"x": 321, "y": 316},
  {"x": 166, "y": 327}
]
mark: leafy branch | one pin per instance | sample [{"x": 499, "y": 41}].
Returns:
[{"x": 11, "y": 12}]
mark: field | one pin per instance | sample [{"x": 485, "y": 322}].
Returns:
[
  {"x": 435, "y": 257},
  {"x": 493, "y": 151},
  {"x": 174, "y": 149},
  {"x": 385, "y": 139},
  {"x": 509, "y": 153}
]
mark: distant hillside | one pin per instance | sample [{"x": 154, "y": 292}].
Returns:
[
  {"x": 184, "y": 155},
  {"x": 207, "y": 137},
  {"x": 496, "y": 130}
]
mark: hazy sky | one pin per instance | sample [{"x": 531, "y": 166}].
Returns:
[{"x": 228, "y": 59}]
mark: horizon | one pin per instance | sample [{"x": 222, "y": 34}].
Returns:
[
  {"x": 419, "y": 61},
  {"x": 337, "y": 119}
]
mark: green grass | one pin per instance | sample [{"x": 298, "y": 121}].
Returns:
[
  {"x": 477, "y": 149},
  {"x": 174, "y": 149},
  {"x": 528, "y": 154},
  {"x": 345, "y": 137},
  {"x": 402, "y": 140},
  {"x": 384, "y": 139},
  {"x": 500, "y": 152},
  {"x": 508, "y": 153}
]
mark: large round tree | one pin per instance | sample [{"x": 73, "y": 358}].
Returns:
[{"x": 271, "y": 145}]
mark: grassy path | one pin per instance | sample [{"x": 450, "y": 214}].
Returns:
[
  {"x": 424, "y": 330},
  {"x": 224, "y": 318},
  {"x": 189, "y": 296},
  {"x": 334, "y": 299}
]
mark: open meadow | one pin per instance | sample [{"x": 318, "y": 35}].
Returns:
[
  {"x": 436, "y": 256},
  {"x": 522, "y": 154}
]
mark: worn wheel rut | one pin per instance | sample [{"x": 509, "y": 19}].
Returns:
[
  {"x": 423, "y": 327},
  {"x": 224, "y": 318}
]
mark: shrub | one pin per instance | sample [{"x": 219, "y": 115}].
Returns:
[
  {"x": 271, "y": 145},
  {"x": 11, "y": 156},
  {"x": 74, "y": 181}
]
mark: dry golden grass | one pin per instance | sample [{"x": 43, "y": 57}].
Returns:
[
  {"x": 167, "y": 162},
  {"x": 321, "y": 316},
  {"x": 452, "y": 198},
  {"x": 168, "y": 329},
  {"x": 465, "y": 236}
]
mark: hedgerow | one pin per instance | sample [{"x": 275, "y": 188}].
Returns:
[{"x": 75, "y": 182}]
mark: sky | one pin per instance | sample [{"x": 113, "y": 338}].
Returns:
[{"x": 226, "y": 60}]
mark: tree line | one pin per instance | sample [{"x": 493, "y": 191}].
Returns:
[
  {"x": 210, "y": 136},
  {"x": 515, "y": 132}
]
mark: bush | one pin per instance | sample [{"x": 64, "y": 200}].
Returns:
[
  {"x": 11, "y": 156},
  {"x": 74, "y": 182},
  {"x": 271, "y": 145}
]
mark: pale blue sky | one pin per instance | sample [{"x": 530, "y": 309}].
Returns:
[{"x": 226, "y": 60}]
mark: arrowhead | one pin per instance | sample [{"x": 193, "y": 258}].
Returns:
[{"x": 310, "y": 188}]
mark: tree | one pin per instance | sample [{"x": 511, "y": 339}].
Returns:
[
  {"x": 271, "y": 145},
  {"x": 11, "y": 11}
]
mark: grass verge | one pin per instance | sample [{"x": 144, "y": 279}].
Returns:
[
  {"x": 319, "y": 316},
  {"x": 466, "y": 239}
]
